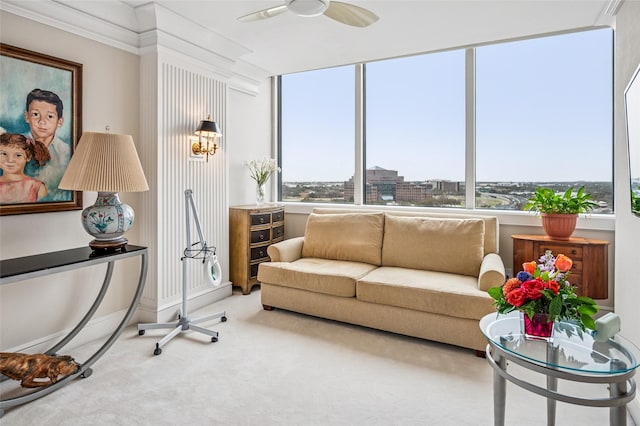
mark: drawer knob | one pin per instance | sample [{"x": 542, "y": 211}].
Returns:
[
  {"x": 574, "y": 251},
  {"x": 261, "y": 236},
  {"x": 262, "y": 220}
]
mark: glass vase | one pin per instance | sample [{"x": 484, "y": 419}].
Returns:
[
  {"x": 260, "y": 191},
  {"x": 538, "y": 327}
]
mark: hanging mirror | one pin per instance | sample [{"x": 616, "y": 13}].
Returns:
[{"x": 632, "y": 107}]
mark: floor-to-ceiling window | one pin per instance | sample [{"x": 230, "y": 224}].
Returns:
[
  {"x": 419, "y": 131},
  {"x": 317, "y": 127},
  {"x": 544, "y": 117}
]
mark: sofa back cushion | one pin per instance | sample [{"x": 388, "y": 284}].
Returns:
[
  {"x": 434, "y": 244},
  {"x": 491, "y": 225},
  {"x": 351, "y": 236}
]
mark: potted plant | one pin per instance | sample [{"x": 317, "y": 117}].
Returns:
[
  {"x": 560, "y": 211},
  {"x": 543, "y": 293}
]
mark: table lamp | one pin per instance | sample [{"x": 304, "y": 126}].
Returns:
[{"x": 107, "y": 163}]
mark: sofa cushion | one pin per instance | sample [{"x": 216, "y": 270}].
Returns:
[
  {"x": 491, "y": 227},
  {"x": 428, "y": 291},
  {"x": 434, "y": 244},
  {"x": 352, "y": 236},
  {"x": 334, "y": 277}
]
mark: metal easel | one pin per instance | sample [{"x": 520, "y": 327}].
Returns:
[{"x": 198, "y": 250}]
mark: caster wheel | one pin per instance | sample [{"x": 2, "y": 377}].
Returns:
[
  {"x": 140, "y": 332},
  {"x": 88, "y": 372},
  {"x": 157, "y": 350},
  {"x": 214, "y": 339},
  {"x": 223, "y": 319}
]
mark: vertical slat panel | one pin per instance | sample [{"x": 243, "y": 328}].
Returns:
[{"x": 187, "y": 96}]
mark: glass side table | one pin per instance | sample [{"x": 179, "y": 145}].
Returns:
[{"x": 569, "y": 354}]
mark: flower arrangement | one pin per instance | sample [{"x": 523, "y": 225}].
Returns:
[
  {"x": 543, "y": 288},
  {"x": 262, "y": 169}
]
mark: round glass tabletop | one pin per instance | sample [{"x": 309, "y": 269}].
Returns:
[{"x": 575, "y": 350}]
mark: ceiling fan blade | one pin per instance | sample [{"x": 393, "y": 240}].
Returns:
[
  {"x": 263, "y": 14},
  {"x": 350, "y": 14}
]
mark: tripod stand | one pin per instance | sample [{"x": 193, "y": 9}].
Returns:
[{"x": 198, "y": 250}]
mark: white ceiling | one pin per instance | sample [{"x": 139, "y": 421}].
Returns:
[{"x": 288, "y": 43}]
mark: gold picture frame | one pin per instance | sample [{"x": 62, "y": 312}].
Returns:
[{"x": 36, "y": 87}]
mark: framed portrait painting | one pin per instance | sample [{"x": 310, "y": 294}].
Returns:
[{"x": 40, "y": 125}]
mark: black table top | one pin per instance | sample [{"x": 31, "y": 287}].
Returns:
[{"x": 57, "y": 259}]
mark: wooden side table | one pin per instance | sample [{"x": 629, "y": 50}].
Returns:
[
  {"x": 590, "y": 260},
  {"x": 252, "y": 229}
]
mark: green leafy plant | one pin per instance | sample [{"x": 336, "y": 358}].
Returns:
[
  {"x": 546, "y": 200},
  {"x": 635, "y": 202},
  {"x": 544, "y": 288}
]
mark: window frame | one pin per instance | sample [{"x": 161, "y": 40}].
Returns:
[{"x": 601, "y": 221}]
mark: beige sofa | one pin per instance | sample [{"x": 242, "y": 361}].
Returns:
[{"x": 422, "y": 275}]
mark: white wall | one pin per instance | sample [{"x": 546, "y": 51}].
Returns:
[
  {"x": 32, "y": 309},
  {"x": 627, "y": 296},
  {"x": 251, "y": 131}
]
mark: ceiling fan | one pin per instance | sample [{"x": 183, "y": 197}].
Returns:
[{"x": 345, "y": 13}]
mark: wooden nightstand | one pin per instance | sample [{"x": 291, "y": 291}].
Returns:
[
  {"x": 590, "y": 260},
  {"x": 252, "y": 229}
]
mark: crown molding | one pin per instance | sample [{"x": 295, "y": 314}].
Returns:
[{"x": 137, "y": 29}]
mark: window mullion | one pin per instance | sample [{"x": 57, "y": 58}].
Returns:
[
  {"x": 359, "y": 166},
  {"x": 470, "y": 128}
]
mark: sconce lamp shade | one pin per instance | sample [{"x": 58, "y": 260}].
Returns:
[
  {"x": 107, "y": 163},
  {"x": 208, "y": 129}
]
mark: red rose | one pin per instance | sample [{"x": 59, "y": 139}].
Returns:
[
  {"x": 532, "y": 288},
  {"x": 553, "y": 286},
  {"x": 516, "y": 297}
]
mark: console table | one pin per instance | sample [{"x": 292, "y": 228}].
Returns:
[
  {"x": 22, "y": 268},
  {"x": 569, "y": 355}
]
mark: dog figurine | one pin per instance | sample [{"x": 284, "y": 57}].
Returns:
[{"x": 28, "y": 368}]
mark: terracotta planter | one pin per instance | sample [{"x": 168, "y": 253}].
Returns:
[{"x": 559, "y": 226}]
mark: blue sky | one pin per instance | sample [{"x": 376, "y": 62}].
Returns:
[{"x": 543, "y": 111}]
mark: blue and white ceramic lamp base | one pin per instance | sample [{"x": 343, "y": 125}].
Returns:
[{"x": 107, "y": 220}]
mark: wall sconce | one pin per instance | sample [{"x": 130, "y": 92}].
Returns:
[{"x": 210, "y": 131}]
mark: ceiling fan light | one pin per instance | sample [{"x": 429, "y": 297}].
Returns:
[{"x": 308, "y": 8}]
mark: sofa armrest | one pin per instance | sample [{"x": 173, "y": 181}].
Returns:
[
  {"x": 491, "y": 272},
  {"x": 287, "y": 250}
]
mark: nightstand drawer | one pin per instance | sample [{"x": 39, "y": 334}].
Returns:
[
  {"x": 260, "y": 236},
  {"x": 277, "y": 216},
  {"x": 574, "y": 252},
  {"x": 278, "y": 233},
  {"x": 260, "y": 219},
  {"x": 259, "y": 253},
  {"x": 253, "y": 270}
]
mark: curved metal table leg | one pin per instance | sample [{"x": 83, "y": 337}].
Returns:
[{"x": 85, "y": 370}]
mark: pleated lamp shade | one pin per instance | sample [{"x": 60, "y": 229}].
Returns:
[{"x": 106, "y": 163}]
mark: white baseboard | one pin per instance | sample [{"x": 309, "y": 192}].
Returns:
[
  {"x": 100, "y": 328},
  {"x": 95, "y": 329},
  {"x": 168, "y": 312}
]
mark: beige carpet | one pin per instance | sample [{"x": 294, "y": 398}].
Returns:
[{"x": 281, "y": 368}]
